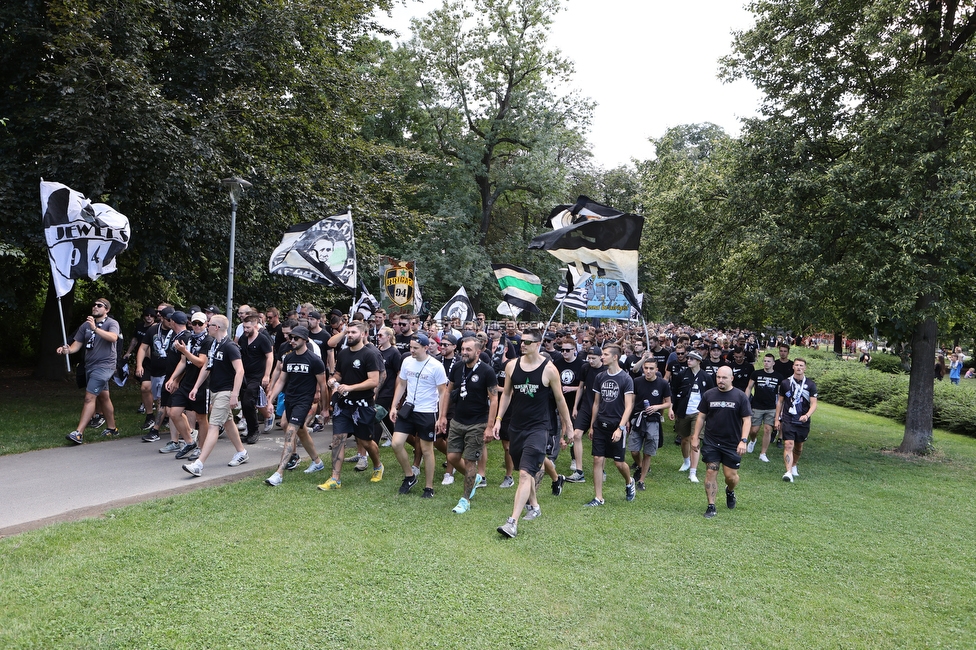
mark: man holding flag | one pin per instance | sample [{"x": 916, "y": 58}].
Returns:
[{"x": 99, "y": 334}]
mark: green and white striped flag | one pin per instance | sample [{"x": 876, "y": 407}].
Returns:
[{"x": 519, "y": 287}]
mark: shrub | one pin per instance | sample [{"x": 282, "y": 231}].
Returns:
[{"x": 887, "y": 363}]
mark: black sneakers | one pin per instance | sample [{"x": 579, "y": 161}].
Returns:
[
  {"x": 293, "y": 462},
  {"x": 149, "y": 423},
  {"x": 729, "y": 498},
  {"x": 97, "y": 421},
  {"x": 710, "y": 511},
  {"x": 152, "y": 436},
  {"x": 428, "y": 493},
  {"x": 408, "y": 484},
  {"x": 186, "y": 451},
  {"x": 251, "y": 438},
  {"x": 557, "y": 485}
]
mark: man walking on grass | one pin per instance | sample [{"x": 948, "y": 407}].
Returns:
[
  {"x": 99, "y": 334},
  {"x": 423, "y": 382},
  {"x": 354, "y": 386},
  {"x": 302, "y": 373},
  {"x": 226, "y": 372},
  {"x": 687, "y": 388},
  {"x": 530, "y": 382},
  {"x": 796, "y": 404},
  {"x": 476, "y": 389},
  {"x": 613, "y": 401},
  {"x": 725, "y": 416},
  {"x": 764, "y": 388}
]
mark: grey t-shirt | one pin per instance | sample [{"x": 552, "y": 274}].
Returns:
[{"x": 99, "y": 353}]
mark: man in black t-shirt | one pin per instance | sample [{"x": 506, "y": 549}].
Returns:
[
  {"x": 764, "y": 387},
  {"x": 170, "y": 362},
  {"x": 725, "y": 415},
  {"x": 796, "y": 403},
  {"x": 149, "y": 366},
  {"x": 226, "y": 373},
  {"x": 139, "y": 332},
  {"x": 194, "y": 357},
  {"x": 258, "y": 358},
  {"x": 613, "y": 402},
  {"x": 302, "y": 375},
  {"x": 473, "y": 387},
  {"x": 354, "y": 386},
  {"x": 583, "y": 410},
  {"x": 652, "y": 395}
]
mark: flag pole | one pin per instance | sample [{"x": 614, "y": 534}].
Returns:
[{"x": 64, "y": 333}]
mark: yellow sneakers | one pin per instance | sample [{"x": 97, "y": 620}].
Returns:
[
  {"x": 331, "y": 484},
  {"x": 377, "y": 474}
]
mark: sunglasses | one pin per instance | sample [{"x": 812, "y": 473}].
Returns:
[
  {"x": 99, "y": 305},
  {"x": 565, "y": 350},
  {"x": 524, "y": 342},
  {"x": 295, "y": 338}
]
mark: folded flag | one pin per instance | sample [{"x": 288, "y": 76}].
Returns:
[
  {"x": 519, "y": 287},
  {"x": 83, "y": 238},
  {"x": 323, "y": 252},
  {"x": 572, "y": 291}
]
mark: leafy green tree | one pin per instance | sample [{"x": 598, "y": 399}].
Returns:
[
  {"x": 863, "y": 161},
  {"x": 146, "y": 105},
  {"x": 485, "y": 80}
]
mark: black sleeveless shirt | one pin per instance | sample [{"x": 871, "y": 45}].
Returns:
[{"x": 530, "y": 405}]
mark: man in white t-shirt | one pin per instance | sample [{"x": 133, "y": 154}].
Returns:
[{"x": 423, "y": 380}]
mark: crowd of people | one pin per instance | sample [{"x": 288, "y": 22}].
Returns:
[{"x": 452, "y": 387}]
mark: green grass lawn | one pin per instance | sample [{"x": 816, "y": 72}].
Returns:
[
  {"x": 38, "y": 414},
  {"x": 866, "y": 550}
]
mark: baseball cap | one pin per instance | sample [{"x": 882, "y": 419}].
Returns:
[
  {"x": 450, "y": 338},
  {"x": 423, "y": 340},
  {"x": 301, "y": 331},
  {"x": 596, "y": 349},
  {"x": 212, "y": 309},
  {"x": 198, "y": 317},
  {"x": 694, "y": 355},
  {"x": 314, "y": 314},
  {"x": 167, "y": 312},
  {"x": 179, "y": 318}
]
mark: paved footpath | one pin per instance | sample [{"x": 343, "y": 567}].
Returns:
[{"x": 43, "y": 487}]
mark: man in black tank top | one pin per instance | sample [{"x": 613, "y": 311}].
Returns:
[{"x": 529, "y": 384}]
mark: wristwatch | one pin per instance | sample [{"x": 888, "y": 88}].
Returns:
[{"x": 745, "y": 440}]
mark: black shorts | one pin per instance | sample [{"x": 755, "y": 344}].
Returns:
[
  {"x": 297, "y": 413},
  {"x": 417, "y": 424},
  {"x": 200, "y": 405},
  {"x": 165, "y": 397},
  {"x": 582, "y": 421},
  {"x": 793, "y": 432},
  {"x": 503, "y": 430},
  {"x": 712, "y": 453},
  {"x": 552, "y": 446},
  {"x": 359, "y": 421},
  {"x": 528, "y": 449},
  {"x": 603, "y": 444}
]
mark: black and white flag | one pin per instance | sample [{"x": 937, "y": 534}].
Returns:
[
  {"x": 575, "y": 297},
  {"x": 459, "y": 306},
  {"x": 323, "y": 252},
  {"x": 366, "y": 305},
  {"x": 83, "y": 238},
  {"x": 598, "y": 240}
]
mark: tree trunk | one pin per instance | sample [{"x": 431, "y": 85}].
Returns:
[
  {"x": 918, "y": 420},
  {"x": 50, "y": 365},
  {"x": 838, "y": 343}
]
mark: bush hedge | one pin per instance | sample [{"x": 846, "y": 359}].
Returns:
[{"x": 851, "y": 385}]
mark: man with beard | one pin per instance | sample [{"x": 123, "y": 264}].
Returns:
[
  {"x": 302, "y": 373},
  {"x": 140, "y": 331},
  {"x": 354, "y": 384},
  {"x": 741, "y": 369},
  {"x": 172, "y": 360},
  {"x": 99, "y": 334},
  {"x": 725, "y": 416},
  {"x": 150, "y": 360},
  {"x": 652, "y": 395},
  {"x": 474, "y": 389},
  {"x": 583, "y": 411}
]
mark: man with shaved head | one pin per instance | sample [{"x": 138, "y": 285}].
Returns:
[{"x": 726, "y": 417}]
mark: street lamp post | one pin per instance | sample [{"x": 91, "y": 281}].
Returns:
[{"x": 236, "y": 187}]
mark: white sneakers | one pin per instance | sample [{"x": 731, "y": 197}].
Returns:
[
  {"x": 685, "y": 466},
  {"x": 274, "y": 479},
  {"x": 693, "y": 476},
  {"x": 794, "y": 472},
  {"x": 239, "y": 459},
  {"x": 751, "y": 446},
  {"x": 448, "y": 479},
  {"x": 763, "y": 458},
  {"x": 788, "y": 477}
]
